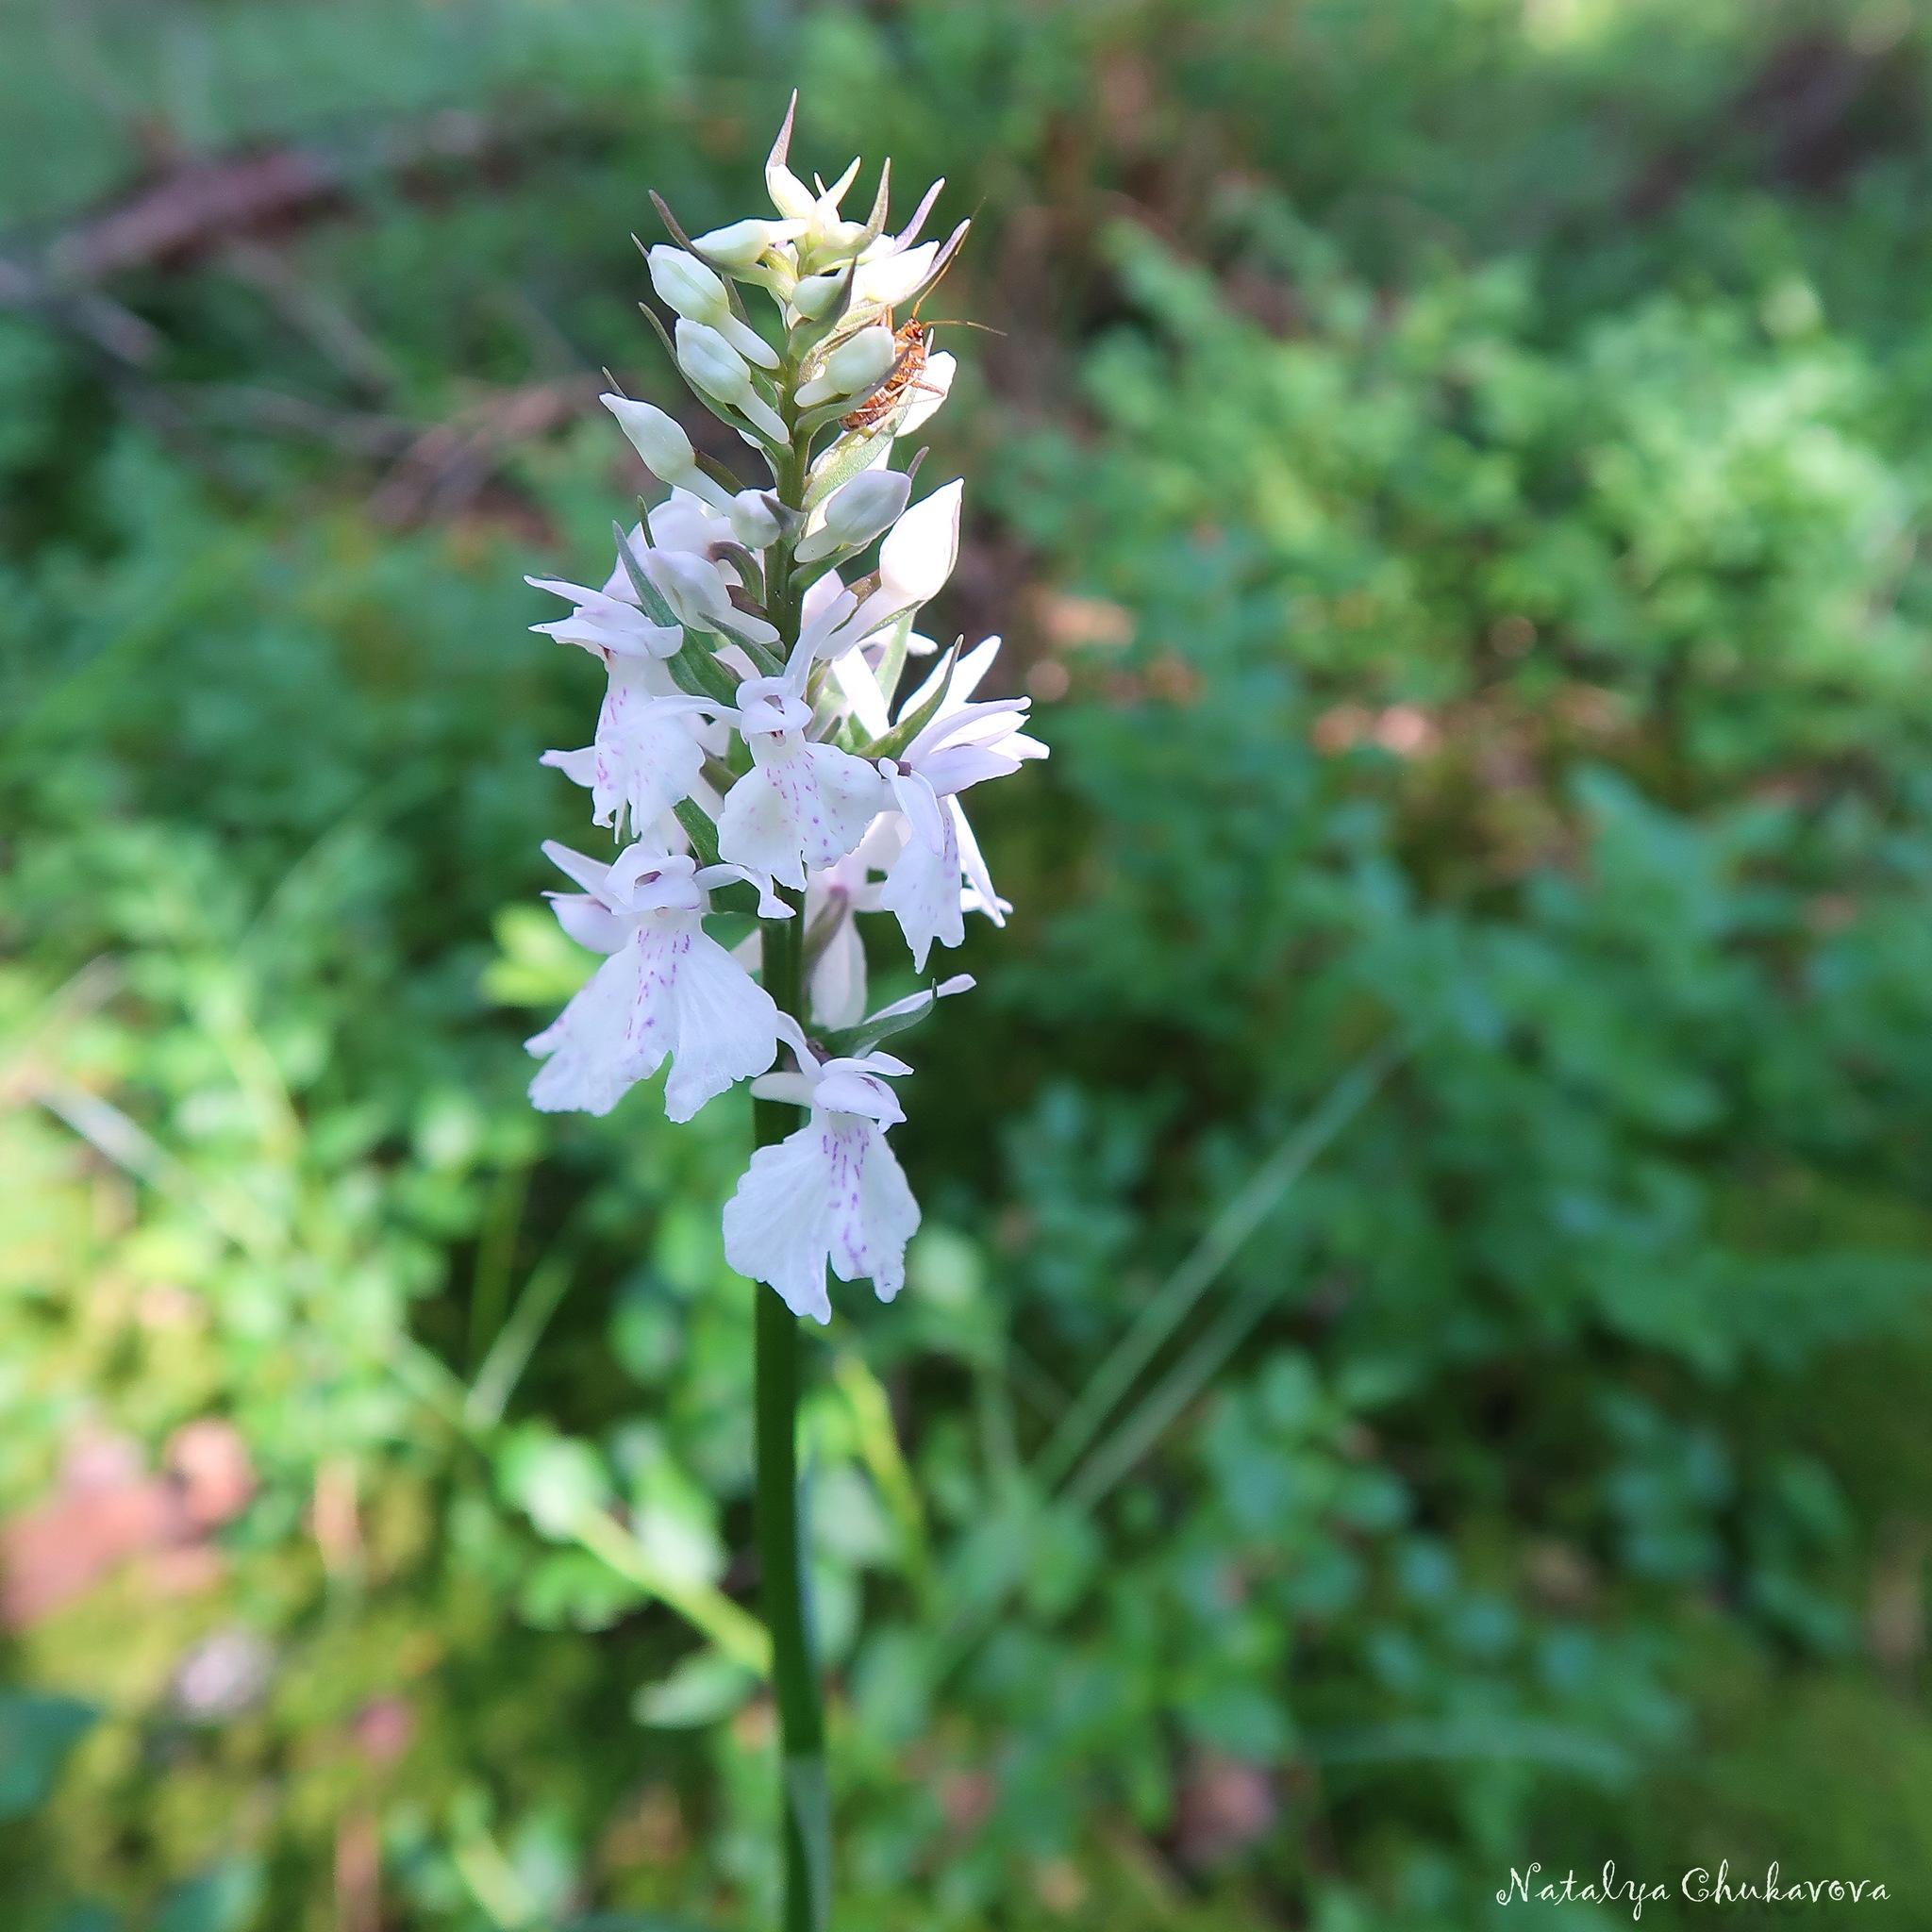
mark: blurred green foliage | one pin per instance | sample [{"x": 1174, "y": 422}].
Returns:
[{"x": 1454, "y": 472}]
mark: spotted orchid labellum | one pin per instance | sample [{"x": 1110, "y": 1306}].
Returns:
[{"x": 748, "y": 757}]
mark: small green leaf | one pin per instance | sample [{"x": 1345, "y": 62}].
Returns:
[{"x": 703, "y": 1689}]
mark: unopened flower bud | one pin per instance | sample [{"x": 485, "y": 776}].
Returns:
[
  {"x": 789, "y": 196},
  {"x": 741, "y": 244},
  {"x": 659, "y": 439},
  {"x": 715, "y": 366},
  {"x": 686, "y": 283},
  {"x": 917, "y": 557},
  {"x": 858, "y": 513},
  {"x": 815, "y": 295},
  {"x": 754, "y": 522},
  {"x": 689, "y": 287},
  {"x": 857, "y": 363}
]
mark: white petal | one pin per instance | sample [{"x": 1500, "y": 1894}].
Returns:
[
  {"x": 579, "y": 767},
  {"x": 777, "y": 1225},
  {"x": 683, "y": 522},
  {"x": 958, "y": 766},
  {"x": 928, "y": 391},
  {"x": 849, "y": 795},
  {"x": 727, "y": 1028},
  {"x": 873, "y": 1214},
  {"x": 920, "y": 550},
  {"x": 758, "y": 826},
  {"x": 984, "y": 899},
  {"x": 919, "y": 805},
  {"x": 591, "y": 874},
  {"x": 647, "y": 757},
  {"x": 891, "y": 278},
  {"x": 587, "y": 922},
  {"x": 862, "y": 691},
  {"x": 587, "y": 1042},
  {"x": 819, "y": 595},
  {"x": 968, "y": 671},
  {"x": 848, "y": 1087},
  {"x": 837, "y": 978},
  {"x": 922, "y": 891}
]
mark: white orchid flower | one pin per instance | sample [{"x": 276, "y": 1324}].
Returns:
[
  {"x": 607, "y": 622},
  {"x": 754, "y": 521},
  {"x": 821, "y": 234},
  {"x": 698, "y": 591},
  {"x": 963, "y": 744},
  {"x": 686, "y": 522},
  {"x": 812, "y": 295},
  {"x": 833, "y": 1193},
  {"x": 647, "y": 754},
  {"x": 802, "y": 803},
  {"x": 680, "y": 524},
  {"x": 915, "y": 560},
  {"x": 667, "y": 988}
]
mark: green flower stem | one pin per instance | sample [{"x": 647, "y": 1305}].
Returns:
[{"x": 781, "y": 1554}]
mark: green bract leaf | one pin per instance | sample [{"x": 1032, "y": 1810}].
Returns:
[{"x": 890, "y": 743}]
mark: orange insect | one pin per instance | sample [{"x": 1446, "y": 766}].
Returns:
[{"x": 914, "y": 343}]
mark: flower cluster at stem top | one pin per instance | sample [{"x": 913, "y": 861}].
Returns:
[{"x": 746, "y": 748}]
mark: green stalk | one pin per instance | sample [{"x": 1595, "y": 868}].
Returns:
[
  {"x": 804, "y": 1794},
  {"x": 781, "y": 1554}
]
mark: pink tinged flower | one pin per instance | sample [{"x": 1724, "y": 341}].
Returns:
[
  {"x": 801, "y": 804},
  {"x": 667, "y": 988},
  {"x": 833, "y": 1193},
  {"x": 646, "y": 756}
]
